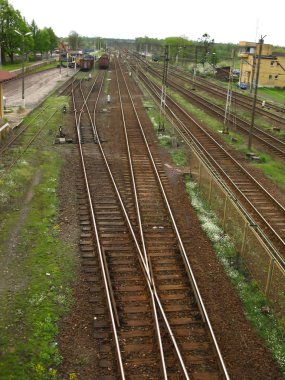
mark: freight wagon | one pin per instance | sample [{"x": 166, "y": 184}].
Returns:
[
  {"x": 103, "y": 61},
  {"x": 86, "y": 64}
]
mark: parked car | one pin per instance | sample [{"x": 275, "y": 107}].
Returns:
[{"x": 242, "y": 85}]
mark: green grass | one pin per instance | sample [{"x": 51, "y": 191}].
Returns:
[
  {"x": 179, "y": 157},
  {"x": 46, "y": 265},
  {"x": 167, "y": 139},
  {"x": 273, "y": 94},
  {"x": 274, "y": 170},
  {"x": 16, "y": 66}
]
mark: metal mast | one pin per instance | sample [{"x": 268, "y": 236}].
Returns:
[
  {"x": 261, "y": 41},
  {"x": 163, "y": 90},
  {"x": 229, "y": 98}
]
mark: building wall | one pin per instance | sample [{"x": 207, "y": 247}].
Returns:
[{"x": 272, "y": 66}]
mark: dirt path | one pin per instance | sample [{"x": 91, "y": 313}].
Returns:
[{"x": 12, "y": 258}]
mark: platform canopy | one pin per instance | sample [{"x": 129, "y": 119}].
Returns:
[{"x": 6, "y": 75}]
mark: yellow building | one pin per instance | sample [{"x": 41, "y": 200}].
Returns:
[{"x": 272, "y": 65}]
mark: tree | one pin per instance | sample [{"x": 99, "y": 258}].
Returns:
[
  {"x": 177, "y": 47},
  {"x": 205, "y": 43},
  {"x": 74, "y": 40},
  {"x": 11, "y": 20},
  {"x": 53, "y": 40},
  {"x": 42, "y": 41}
]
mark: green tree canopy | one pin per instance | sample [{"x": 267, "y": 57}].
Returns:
[
  {"x": 74, "y": 40},
  {"x": 10, "y": 20}
]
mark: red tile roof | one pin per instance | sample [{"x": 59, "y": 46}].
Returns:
[{"x": 6, "y": 75}]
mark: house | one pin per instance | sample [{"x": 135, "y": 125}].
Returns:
[
  {"x": 223, "y": 73},
  {"x": 272, "y": 65}
]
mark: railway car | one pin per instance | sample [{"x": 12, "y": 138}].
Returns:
[
  {"x": 86, "y": 64},
  {"x": 103, "y": 61}
]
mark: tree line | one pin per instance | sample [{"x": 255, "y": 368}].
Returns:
[
  {"x": 11, "y": 24},
  {"x": 203, "y": 50}
]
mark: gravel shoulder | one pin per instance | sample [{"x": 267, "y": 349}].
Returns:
[{"x": 37, "y": 87}]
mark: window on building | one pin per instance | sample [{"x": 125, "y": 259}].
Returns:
[
  {"x": 276, "y": 77},
  {"x": 270, "y": 77}
]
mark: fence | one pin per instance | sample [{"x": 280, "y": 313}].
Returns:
[
  {"x": 257, "y": 256},
  {"x": 33, "y": 67}
]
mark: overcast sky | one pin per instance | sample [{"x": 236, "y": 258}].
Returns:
[{"x": 225, "y": 21}]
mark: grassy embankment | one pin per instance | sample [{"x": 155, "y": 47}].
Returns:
[{"x": 39, "y": 265}]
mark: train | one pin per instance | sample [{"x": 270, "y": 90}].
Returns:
[
  {"x": 103, "y": 61},
  {"x": 86, "y": 63}
]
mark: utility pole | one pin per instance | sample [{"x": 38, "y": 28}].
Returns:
[
  {"x": 261, "y": 41},
  {"x": 253, "y": 73},
  {"x": 194, "y": 69},
  {"x": 163, "y": 90},
  {"x": 23, "y": 35}
]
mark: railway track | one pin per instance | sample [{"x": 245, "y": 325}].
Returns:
[
  {"x": 241, "y": 99},
  {"x": 14, "y": 146},
  {"x": 277, "y": 119},
  {"x": 267, "y": 212},
  {"x": 151, "y": 302},
  {"x": 267, "y": 141}
]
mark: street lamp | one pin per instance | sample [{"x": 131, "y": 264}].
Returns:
[{"x": 23, "y": 35}]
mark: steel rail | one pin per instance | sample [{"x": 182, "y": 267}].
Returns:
[
  {"x": 6, "y": 170},
  {"x": 259, "y": 186},
  {"x": 241, "y": 99},
  {"x": 2, "y": 150},
  {"x": 95, "y": 229},
  {"x": 182, "y": 249},
  {"x": 219, "y": 111},
  {"x": 145, "y": 255},
  {"x": 146, "y": 272},
  {"x": 187, "y": 138}
]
